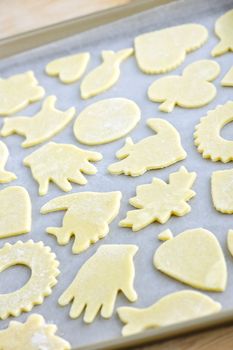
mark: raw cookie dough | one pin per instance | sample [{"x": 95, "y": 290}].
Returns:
[
  {"x": 15, "y": 211},
  {"x": 193, "y": 257},
  {"x": 163, "y": 50},
  {"x": 105, "y": 75},
  {"x": 190, "y": 90},
  {"x": 69, "y": 68},
  {"x": 230, "y": 241},
  {"x": 224, "y": 31},
  {"x": 106, "y": 121},
  {"x": 87, "y": 217},
  {"x": 61, "y": 163},
  {"x": 5, "y": 176},
  {"x": 207, "y": 136},
  {"x": 153, "y": 152},
  {"x": 34, "y": 334},
  {"x": 42, "y": 126},
  {"x": 228, "y": 78},
  {"x": 96, "y": 285},
  {"x": 18, "y": 91},
  {"x": 159, "y": 200},
  {"x": 222, "y": 190},
  {"x": 173, "y": 308},
  {"x": 165, "y": 235},
  {"x": 44, "y": 270}
]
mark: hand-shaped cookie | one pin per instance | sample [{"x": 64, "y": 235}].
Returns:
[
  {"x": 99, "y": 280},
  {"x": 190, "y": 90},
  {"x": 60, "y": 163},
  {"x": 87, "y": 217},
  {"x": 18, "y": 91},
  {"x": 42, "y": 126}
]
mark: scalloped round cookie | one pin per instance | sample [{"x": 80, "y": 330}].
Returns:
[{"x": 106, "y": 121}]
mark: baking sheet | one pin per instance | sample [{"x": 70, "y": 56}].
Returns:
[{"x": 149, "y": 283}]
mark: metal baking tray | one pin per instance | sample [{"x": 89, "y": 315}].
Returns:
[{"x": 115, "y": 29}]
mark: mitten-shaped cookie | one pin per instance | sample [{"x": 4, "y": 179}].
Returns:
[
  {"x": 190, "y": 90},
  {"x": 95, "y": 288}
]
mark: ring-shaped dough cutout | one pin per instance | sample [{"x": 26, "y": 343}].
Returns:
[
  {"x": 207, "y": 136},
  {"x": 44, "y": 269}
]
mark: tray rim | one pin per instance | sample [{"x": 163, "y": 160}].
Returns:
[{"x": 22, "y": 42}]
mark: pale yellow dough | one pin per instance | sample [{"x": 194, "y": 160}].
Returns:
[
  {"x": 42, "y": 126},
  {"x": 190, "y": 90},
  {"x": 105, "y": 75},
  {"x": 222, "y": 190},
  {"x": 34, "y": 334},
  {"x": 61, "y": 163},
  {"x": 173, "y": 308},
  {"x": 163, "y": 50},
  {"x": 230, "y": 241},
  {"x": 159, "y": 200},
  {"x": 207, "y": 136},
  {"x": 165, "y": 235},
  {"x": 153, "y": 152},
  {"x": 224, "y": 31},
  {"x": 5, "y": 176},
  {"x": 87, "y": 217},
  {"x": 106, "y": 121},
  {"x": 15, "y": 211},
  {"x": 69, "y": 68},
  {"x": 228, "y": 78},
  {"x": 96, "y": 285},
  {"x": 18, "y": 91},
  {"x": 44, "y": 269},
  {"x": 194, "y": 257}
]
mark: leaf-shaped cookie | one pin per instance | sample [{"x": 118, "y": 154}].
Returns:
[
  {"x": 105, "y": 75},
  {"x": 87, "y": 217},
  {"x": 34, "y": 334},
  {"x": 190, "y": 90},
  {"x": 69, "y": 68},
  {"x": 15, "y": 211},
  {"x": 18, "y": 91},
  {"x": 42, "y": 126},
  {"x": 159, "y": 200},
  {"x": 61, "y": 163},
  {"x": 163, "y": 50},
  {"x": 5, "y": 176},
  {"x": 193, "y": 257},
  {"x": 224, "y": 30},
  {"x": 173, "y": 308},
  {"x": 153, "y": 152},
  {"x": 96, "y": 285}
]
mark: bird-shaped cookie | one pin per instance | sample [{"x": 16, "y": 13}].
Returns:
[{"x": 190, "y": 90}]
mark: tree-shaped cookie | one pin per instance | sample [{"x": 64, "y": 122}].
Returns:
[
  {"x": 69, "y": 68},
  {"x": 173, "y": 308},
  {"x": 15, "y": 211},
  {"x": 190, "y": 90},
  {"x": 153, "y": 152},
  {"x": 228, "y": 78},
  {"x": 207, "y": 136},
  {"x": 159, "y": 200},
  {"x": 224, "y": 31},
  {"x": 96, "y": 285},
  {"x": 87, "y": 217},
  {"x": 5, "y": 176},
  {"x": 48, "y": 122},
  {"x": 44, "y": 270},
  {"x": 18, "y": 91},
  {"x": 193, "y": 257},
  {"x": 61, "y": 163},
  {"x": 163, "y": 50},
  {"x": 34, "y": 334},
  {"x": 105, "y": 75}
]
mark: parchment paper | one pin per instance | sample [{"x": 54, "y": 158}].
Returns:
[{"x": 149, "y": 283}]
